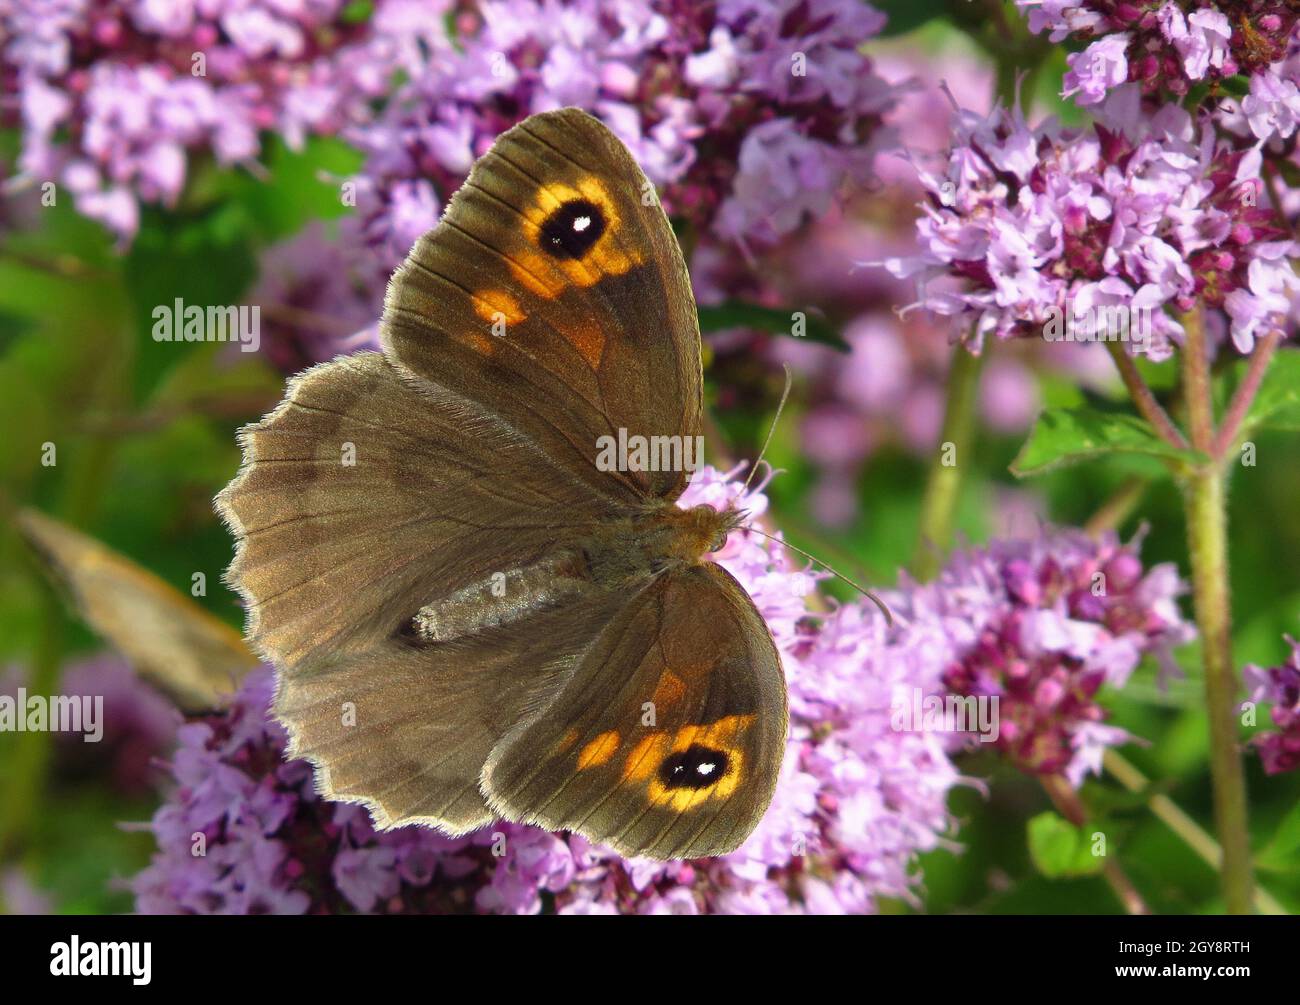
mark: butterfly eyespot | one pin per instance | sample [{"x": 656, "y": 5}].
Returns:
[
  {"x": 696, "y": 767},
  {"x": 572, "y": 230}
]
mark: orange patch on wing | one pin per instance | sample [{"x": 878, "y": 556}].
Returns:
[
  {"x": 670, "y": 689},
  {"x": 607, "y": 256},
  {"x": 721, "y": 735},
  {"x": 589, "y": 340},
  {"x": 598, "y": 751},
  {"x": 645, "y": 757},
  {"x": 528, "y": 273},
  {"x": 498, "y": 305},
  {"x": 567, "y": 741}
]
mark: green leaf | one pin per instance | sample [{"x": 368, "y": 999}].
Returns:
[
  {"x": 1277, "y": 404},
  {"x": 905, "y": 15},
  {"x": 1064, "y": 436},
  {"x": 1059, "y": 849},
  {"x": 299, "y": 186},
  {"x": 1282, "y": 853},
  {"x": 778, "y": 321},
  {"x": 357, "y": 12}
]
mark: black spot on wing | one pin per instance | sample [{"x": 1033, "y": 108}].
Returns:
[
  {"x": 696, "y": 767},
  {"x": 572, "y": 230}
]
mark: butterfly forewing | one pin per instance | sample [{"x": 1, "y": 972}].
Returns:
[{"x": 554, "y": 293}]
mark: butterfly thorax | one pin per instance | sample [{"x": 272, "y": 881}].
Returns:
[{"x": 621, "y": 552}]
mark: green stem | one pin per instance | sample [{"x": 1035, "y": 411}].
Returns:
[
  {"x": 1241, "y": 401},
  {"x": 1172, "y": 816},
  {"x": 943, "y": 484},
  {"x": 1143, "y": 398},
  {"x": 1207, "y": 534},
  {"x": 1196, "y": 381},
  {"x": 1070, "y": 806},
  {"x": 1204, "y": 492}
]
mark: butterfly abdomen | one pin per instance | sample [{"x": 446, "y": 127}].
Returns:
[
  {"x": 504, "y": 597},
  {"x": 613, "y": 557}
]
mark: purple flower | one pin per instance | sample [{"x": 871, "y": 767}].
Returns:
[
  {"x": 316, "y": 300},
  {"x": 749, "y": 115},
  {"x": 1165, "y": 50},
  {"x": 1204, "y": 43},
  {"x": 1041, "y": 624},
  {"x": 1147, "y": 211},
  {"x": 116, "y": 96},
  {"x": 135, "y": 724},
  {"x": 139, "y": 723},
  {"x": 1272, "y": 108},
  {"x": 1097, "y": 69},
  {"x": 1279, "y": 750}
]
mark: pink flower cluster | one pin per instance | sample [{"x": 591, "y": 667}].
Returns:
[
  {"x": 1149, "y": 211},
  {"x": 1042, "y": 624},
  {"x": 1166, "y": 47},
  {"x": 116, "y": 98},
  {"x": 750, "y": 114},
  {"x": 1279, "y": 686}
]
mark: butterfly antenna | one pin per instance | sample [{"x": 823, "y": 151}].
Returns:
[
  {"x": 889, "y": 618},
  {"x": 771, "y": 429}
]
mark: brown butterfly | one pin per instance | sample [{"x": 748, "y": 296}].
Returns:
[{"x": 471, "y": 615}]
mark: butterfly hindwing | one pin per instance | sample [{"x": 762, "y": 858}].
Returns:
[
  {"x": 554, "y": 292},
  {"x": 405, "y": 729},
  {"x": 666, "y": 740}
]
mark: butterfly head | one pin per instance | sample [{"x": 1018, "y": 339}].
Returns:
[{"x": 703, "y": 530}]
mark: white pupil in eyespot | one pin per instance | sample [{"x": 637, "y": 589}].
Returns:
[
  {"x": 581, "y": 223},
  {"x": 706, "y": 768}
]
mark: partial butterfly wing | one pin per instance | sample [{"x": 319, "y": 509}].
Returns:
[
  {"x": 554, "y": 295},
  {"x": 366, "y": 494},
  {"x": 366, "y": 497},
  {"x": 405, "y": 729},
  {"x": 193, "y": 656},
  {"x": 667, "y": 738}
]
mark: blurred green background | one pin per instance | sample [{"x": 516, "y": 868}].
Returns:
[{"x": 145, "y": 436}]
